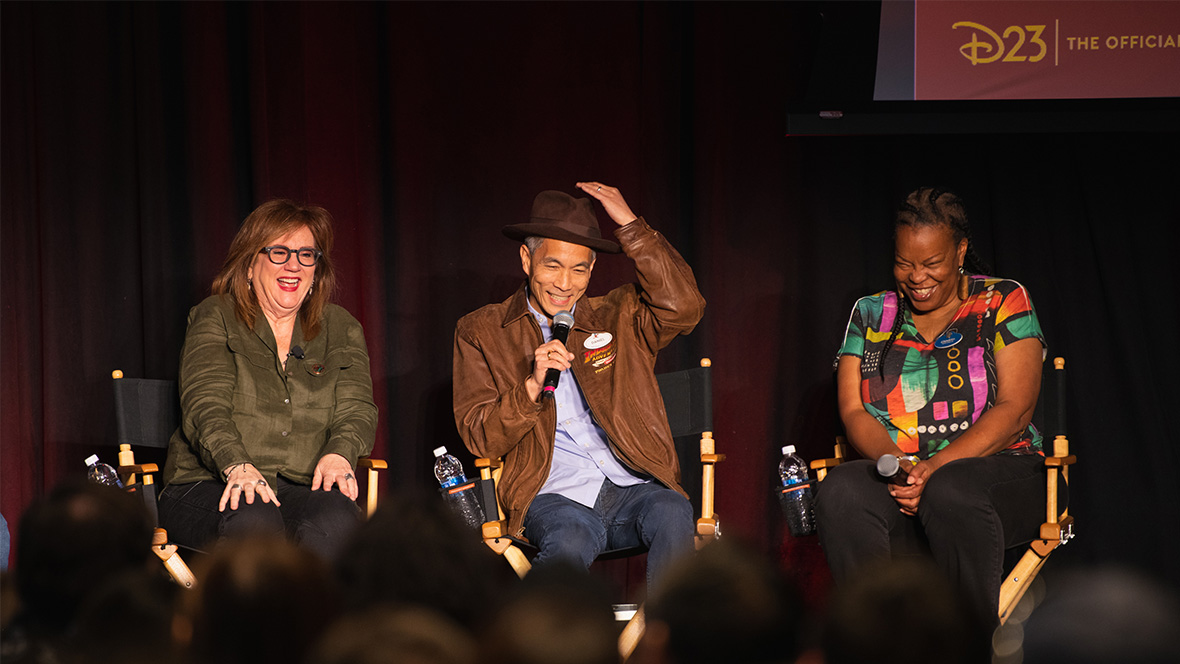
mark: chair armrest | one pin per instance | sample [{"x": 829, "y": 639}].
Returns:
[
  {"x": 825, "y": 463},
  {"x": 368, "y": 463},
  {"x": 1057, "y": 462},
  {"x": 1052, "y": 532},
  {"x": 489, "y": 469},
  {"x": 372, "y": 466},
  {"x": 138, "y": 469},
  {"x": 494, "y": 529}
]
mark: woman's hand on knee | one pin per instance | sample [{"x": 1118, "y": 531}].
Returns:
[
  {"x": 245, "y": 481},
  {"x": 334, "y": 469}
]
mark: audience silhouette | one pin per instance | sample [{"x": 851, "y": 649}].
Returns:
[{"x": 414, "y": 586}]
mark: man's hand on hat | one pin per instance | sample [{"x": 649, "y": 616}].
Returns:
[{"x": 612, "y": 201}]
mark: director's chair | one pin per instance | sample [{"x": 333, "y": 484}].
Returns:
[
  {"x": 147, "y": 413},
  {"x": 1058, "y": 526},
  {"x": 688, "y": 403}
]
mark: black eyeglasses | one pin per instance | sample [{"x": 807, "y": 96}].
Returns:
[{"x": 279, "y": 255}]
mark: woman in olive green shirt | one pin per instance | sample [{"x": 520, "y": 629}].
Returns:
[{"x": 276, "y": 397}]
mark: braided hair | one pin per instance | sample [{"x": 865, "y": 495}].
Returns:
[{"x": 932, "y": 206}]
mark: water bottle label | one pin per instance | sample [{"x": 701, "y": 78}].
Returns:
[
  {"x": 461, "y": 488},
  {"x": 450, "y": 483},
  {"x": 796, "y": 486}
]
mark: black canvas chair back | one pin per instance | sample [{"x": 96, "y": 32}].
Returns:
[
  {"x": 1049, "y": 415},
  {"x": 147, "y": 411},
  {"x": 688, "y": 400}
]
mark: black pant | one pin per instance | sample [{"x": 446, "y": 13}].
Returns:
[
  {"x": 319, "y": 520},
  {"x": 970, "y": 512}
]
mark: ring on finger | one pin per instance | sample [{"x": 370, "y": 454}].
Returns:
[
  {"x": 237, "y": 486},
  {"x": 348, "y": 476},
  {"x": 261, "y": 482},
  {"x": 599, "y": 188}
]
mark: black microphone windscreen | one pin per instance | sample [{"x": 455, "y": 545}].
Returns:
[{"x": 296, "y": 352}]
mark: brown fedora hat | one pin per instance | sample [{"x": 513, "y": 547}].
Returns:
[{"x": 559, "y": 216}]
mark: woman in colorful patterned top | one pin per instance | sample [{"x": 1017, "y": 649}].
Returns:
[{"x": 945, "y": 368}]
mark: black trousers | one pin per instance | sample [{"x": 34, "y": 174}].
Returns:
[
  {"x": 970, "y": 512},
  {"x": 318, "y": 520}
]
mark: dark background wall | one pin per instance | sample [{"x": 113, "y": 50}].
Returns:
[{"x": 137, "y": 136}]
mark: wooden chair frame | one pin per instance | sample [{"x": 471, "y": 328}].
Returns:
[{"x": 1058, "y": 526}]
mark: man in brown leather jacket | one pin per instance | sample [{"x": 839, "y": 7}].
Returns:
[{"x": 593, "y": 468}]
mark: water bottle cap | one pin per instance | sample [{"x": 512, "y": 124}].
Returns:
[
  {"x": 439, "y": 451},
  {"x": 789, "y": 449},
  {"x": 92, "y": 459}
]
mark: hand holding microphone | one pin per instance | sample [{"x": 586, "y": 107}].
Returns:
[
  {"x": 550, "y": 359},
  {"x": 896, "y": 469},
  {"x": 562, "y": 322}
]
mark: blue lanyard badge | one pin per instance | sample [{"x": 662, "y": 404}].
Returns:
[{"x": 948, "y": 339}]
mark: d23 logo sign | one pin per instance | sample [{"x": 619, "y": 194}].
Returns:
[{"x": 1012, "y": 47}]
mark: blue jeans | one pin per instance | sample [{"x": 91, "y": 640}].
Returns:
[
  {"x": 318, "y": 520},
  {"x": 648, "y": 515}
]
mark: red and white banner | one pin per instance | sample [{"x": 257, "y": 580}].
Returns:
[{"x": 1046, "y": 50}]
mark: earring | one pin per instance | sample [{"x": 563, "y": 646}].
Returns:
[
  {"x": 964, "y": 284},
  {"x": 250, "y": 284}
]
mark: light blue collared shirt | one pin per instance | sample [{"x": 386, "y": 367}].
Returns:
[{"x": 581, "y": 452}]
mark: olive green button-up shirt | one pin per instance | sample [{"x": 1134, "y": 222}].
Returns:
[{"x": 239, "y": 404}]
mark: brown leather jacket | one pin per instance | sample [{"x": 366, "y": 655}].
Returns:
[{"x": 493, "y": 357}]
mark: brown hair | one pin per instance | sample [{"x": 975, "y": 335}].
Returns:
[{"x": 268, "y": 221}]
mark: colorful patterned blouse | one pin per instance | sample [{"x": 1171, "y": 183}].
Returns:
[{"x": 933, "y": 391}]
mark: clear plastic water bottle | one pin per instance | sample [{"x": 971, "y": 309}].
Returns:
[
  {"x": 102, "y": 473},
  {"x": 458, "y": 492},
  {"x": 795, "y": 496}
]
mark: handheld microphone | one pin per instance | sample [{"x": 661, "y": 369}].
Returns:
[
  {"x": 896, "y": 469},
  {"x": 296, "y": 353},
  {"x": 562, "y": 323}
]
